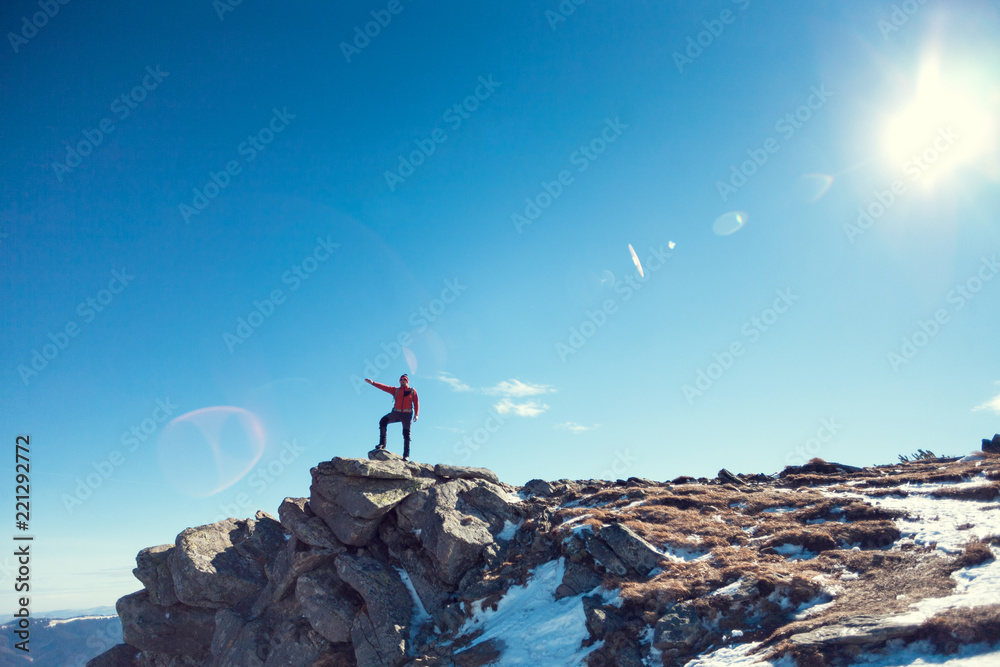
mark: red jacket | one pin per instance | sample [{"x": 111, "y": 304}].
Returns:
[{"x": 403, "y": 401}]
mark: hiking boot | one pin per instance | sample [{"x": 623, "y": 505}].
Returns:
[
  {"x": 406, "y": 458},
  {"x": 379, "y": 446}
]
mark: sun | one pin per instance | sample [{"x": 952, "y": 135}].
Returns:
[{"x": 950, "y": 122}]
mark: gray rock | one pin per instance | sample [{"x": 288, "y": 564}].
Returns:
[
  {"x": 383, "y": 455},
  {"x": 730, "y": 478},
  {"x": 602, "y": 619},
  {"x": 577, "y": 579},
  {"x": 298, "y": 561},
  {"x": 175, "y": 630},
  {"x": 381, "y": 633},
  {"x": 483, "y": 653},
  {"x": 856, "y": 631},
  {"x": 216, "y": 565},
  {"x": 327, "y": 604},
  {"x": 992, "y": 446},
  {"x": 679, "y": 628},
  {"x": 604, "y": 555},
  {"x": 491, "y": 503},
  {"x": 119, "y": 655},
  {"x": 152, "y": 570},
  {"x": 538, "y": 487},
  {"x": 300, "y": 520},
  {"x": 454, "y": 539},
  {"x": 236, "y": 642},
  {"x": 363, "y": 468},
  {"x": 633, "y": 550},
  {"x": 465, "y": 472},
  {"x": 368, "y": 498},
  {"x": 294, "y": 642},
  {"x": 346, "y": 528}
]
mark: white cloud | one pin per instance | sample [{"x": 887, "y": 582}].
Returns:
[
  {"x": 576, "y": 428},
  {"x": 513, "y": 387},
  {"x": 528, "y": 409},
  {"x": 992, "y": 404},
  {"x": 453, "y": 382}
]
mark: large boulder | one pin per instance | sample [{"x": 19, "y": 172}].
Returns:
[
  {"x": 353, "y": 495},
  {"x": 455, "y": 539},
  {"x": 992, "y": 446},
  {"x": 465, "y": 472},
  {"x": 381, "y": 633},
  {"x": 301, "y": 521},
  {"x": 221, "y": 564},
  {"x": 348, "y": 529},
  {"x": 327, "y": 604},
  {"x": 294, "y": 642},
  {"x": 679, "y": 628},
  {"x": 857, "y": 631},
  {"x": 631, "y": 548},
  {"x": 175, "y": 630},
  {"x": 237, "y": 642},
  {"x": 152, "y": 570}
]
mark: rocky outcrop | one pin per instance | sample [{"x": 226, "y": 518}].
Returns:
[
  {"x": 992, "y": 446},
  {"x": 324, "y": 585},
  {"x": 391, "y": 563}
]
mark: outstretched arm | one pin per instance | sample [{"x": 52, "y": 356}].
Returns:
[{"x": 384, "y": 387}]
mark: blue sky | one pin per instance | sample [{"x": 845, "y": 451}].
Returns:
[{"x": 212, "y": 221}]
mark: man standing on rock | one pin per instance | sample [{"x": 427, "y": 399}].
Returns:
[{"x": 404, "y": 405}]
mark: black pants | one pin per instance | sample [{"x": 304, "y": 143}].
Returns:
[{"x": 392, "y": 418}]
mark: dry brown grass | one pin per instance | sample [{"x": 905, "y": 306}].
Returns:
[
  {"x": 955, "y": 628},
  {"x": 982, "y": 492},
  {"x": 975, "y": 553}
]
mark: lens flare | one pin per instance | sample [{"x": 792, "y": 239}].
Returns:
[
  {"x": 729, "y": 223},
  {"x": 411, "y": 359},
  {"x": 812, "y": 187},
  {"x": 635, "y": 260},
  {"x": 208, "y": 450}
]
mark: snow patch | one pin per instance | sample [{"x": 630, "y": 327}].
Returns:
[
  {"x": 509, "y": 528},
  {"x": 536, "y": 628}
]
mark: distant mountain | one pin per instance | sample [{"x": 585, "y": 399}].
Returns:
[
  {"x": 105, "y": 610},
  {"x": 62, "y": 642}
]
